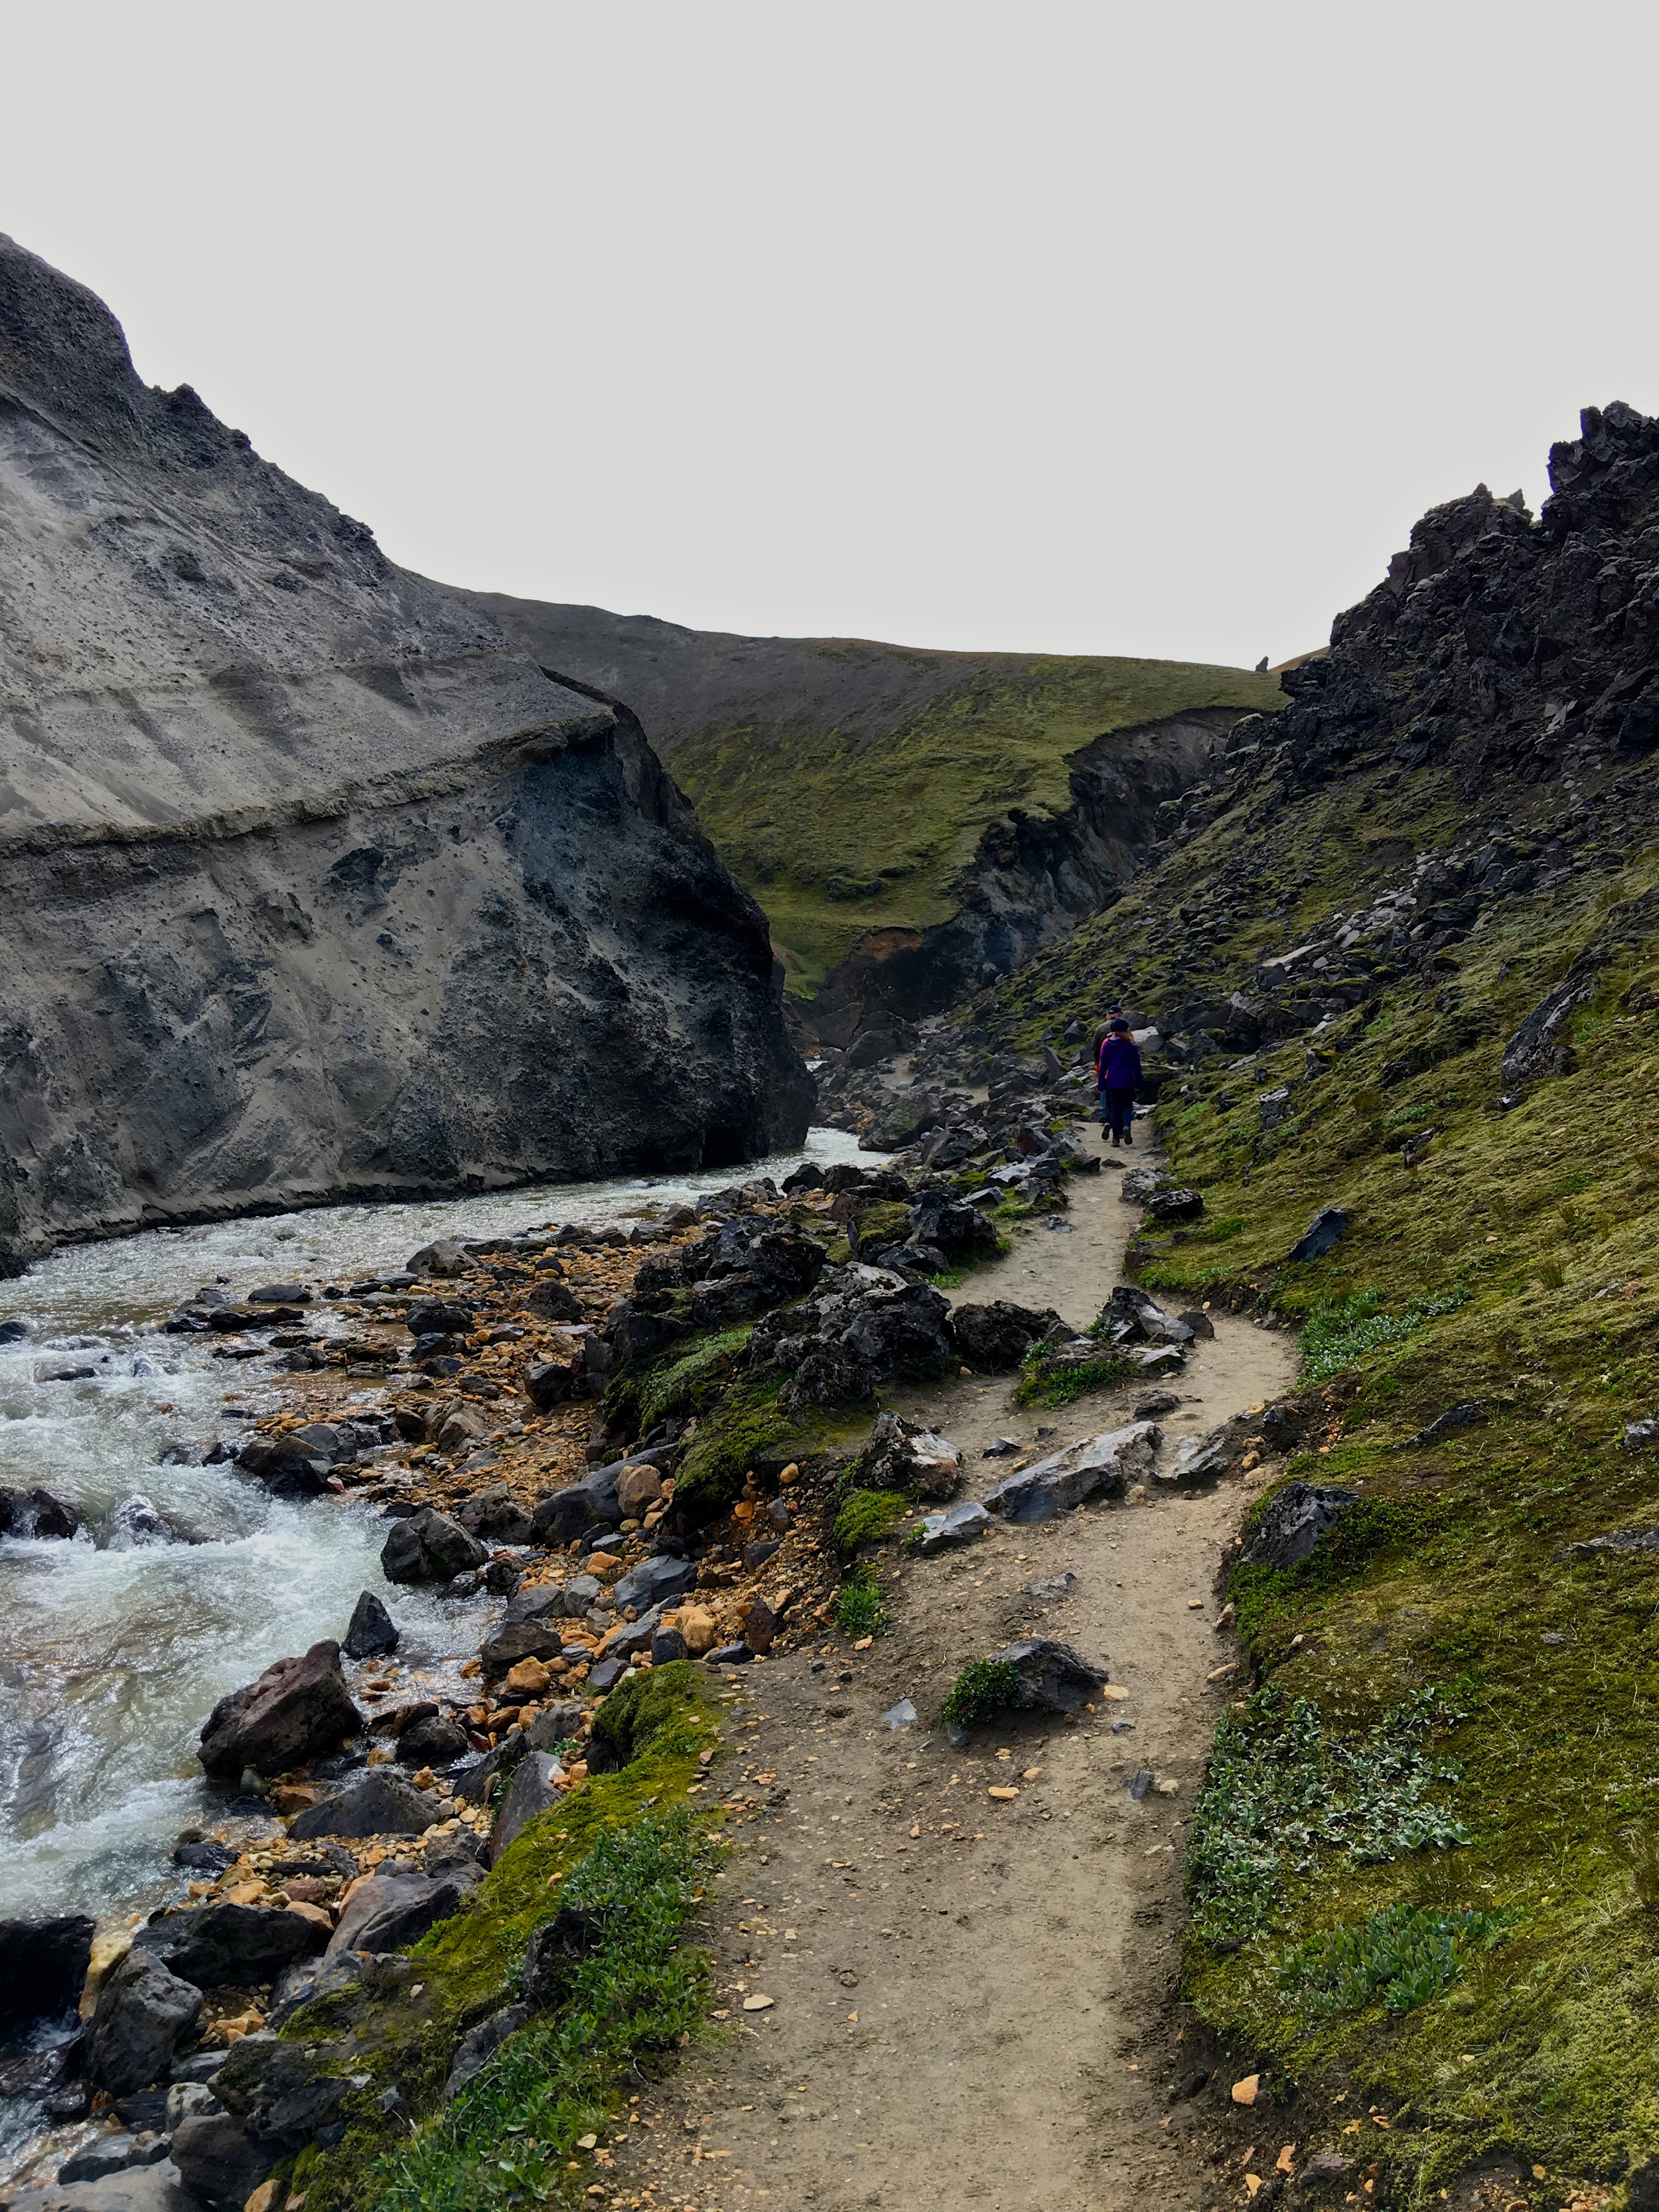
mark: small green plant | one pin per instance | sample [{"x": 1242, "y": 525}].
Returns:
[
  {"x": 1406, "y": 1953},
  {"x": 867, "y": 1518},
  {"x": 984, "y": 1688},
  {"x": 1638, "y": 1847},
  {"x": 858, "y": 1605},
  {"x": 1340, "y": 1334},
  {"x": 1043, "y": 1384}
]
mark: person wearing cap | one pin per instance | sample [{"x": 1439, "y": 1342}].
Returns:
[{"x": 1117, "y": 1074}]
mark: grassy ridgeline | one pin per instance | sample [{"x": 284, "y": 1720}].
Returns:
[{"x": 1512, "y": 1266}]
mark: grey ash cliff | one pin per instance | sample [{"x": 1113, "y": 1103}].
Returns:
[{"x": 312, "y": 883}]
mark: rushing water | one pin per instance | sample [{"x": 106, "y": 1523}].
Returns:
[{"x": 113, "y": 1650}]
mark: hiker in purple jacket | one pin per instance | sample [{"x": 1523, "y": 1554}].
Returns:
[{"x": 1117, "y": 1073}]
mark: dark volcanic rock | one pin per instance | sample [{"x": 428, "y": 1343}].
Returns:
[
  {"x": 1322, "y": 1233},
  {"x": 374, "y": 1804},
  {"x": 1293, "y": 1521},
  {"x": 390, "y": 1912},
  {"x": 36, "y": 1513},
  {"x": 43, "y": 1964},
  {"x": 297, "y": 1709},
  {"x": 274, "y": 730},
  {"x": 238, "y": 1945},
  {"x": 219, "y": 2162},
  {"x": 371, "y": 1630},
  {"x": 995, "y": 1337},
  {"x": 429, "y": 1548},
  {"x": 143, "y": 2014}
]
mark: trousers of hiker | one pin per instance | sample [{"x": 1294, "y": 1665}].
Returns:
[{"x": 1117, "y": 1073}]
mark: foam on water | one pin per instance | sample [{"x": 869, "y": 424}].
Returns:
[{"x": 112, "y": 1653}]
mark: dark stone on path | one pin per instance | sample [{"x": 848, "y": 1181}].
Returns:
[
  {"x": 375, "y": 1804},
  {"x": 438, "y": 1317},
  {"x": 1057, "y": 1680},
  {"x": 43, "y": 1964},
  {"x": 143, "y": 2014},
  {"x": 655, "y": 1581},
  {"x": 1139, "y": 1784},
  {"x": 298, "y": 1708},
  {"x": 1328, "y": 1225},
  {"x": 429, "y": 1548},
  {"x": 1294, "y": 1520},
  {"x": 237, "y": 1946},
  {"x": 994, "y": 1338},
  {"x": 561, "y": 1518},
  {"x": 371, "y": 1629}
]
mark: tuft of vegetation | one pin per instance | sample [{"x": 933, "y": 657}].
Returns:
[
  {"x": 1043, "y": 1383},
  {"x": 1404, "y": 1953},
  {"x": 984, "y": 1688},
  {"x": 1339, "y": 1335},
  {"x": 867, "y": 1518},
  {"x": 858, "y": 1610}
]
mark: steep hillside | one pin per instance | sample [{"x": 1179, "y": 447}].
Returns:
[
  {"x": 911, "y": 821},
  {"x": 1405, "y": 963},
  {"x": 313, "y": 883}
]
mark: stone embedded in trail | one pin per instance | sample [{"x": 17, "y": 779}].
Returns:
[
  {"x": 43, "y": 1964},
  {"x": 1327, "y": 1226},
  {"x": 656, "y": 1581},
  {"x": 1055, "y": 1678},
  {"x": 900, "y": 1455},
  {"x": 371, "y": 1629},
  {"x": 238, "y": 1945},
  {"x": 943, "y": 1532},
  {"x": 374, "y": 1804},
  {"x": 1294, "y": 1520},
  {"x": 1081, "y": 1470},
  {"x": 429, "y": 1548},
  {"x": 1200, "y": 1459},
  {"x": 994, "y": 1338},
  {"x": 298, "y": 1708},
  {"x": 143, "y": 2014},
  {"x": 1196, "y": 1319}
]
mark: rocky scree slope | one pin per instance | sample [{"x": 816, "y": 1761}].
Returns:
[
  {"x": 912, "y": 822},
  {"x": 1404, "y": 961},
  {"x": 313, "y": 884}
]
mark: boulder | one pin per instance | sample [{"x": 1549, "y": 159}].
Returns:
[
  {"x": 1178, "y": 1204},
  {"x": 479, "y": 2045},
  {"x": 372, "y": 1804},
  {"x": 667, "y": 1644},
  {"x": 111, "y": 2153},
  {"x": 459, "y": 1429},
  {"x": 432, "y": 1743},
  {"x": 495, "y": 1517},
  {"x": 1194, "y": 1319},
  {"x": 143, "y": 2014},
  {"x": 157, "y": 2188},
  {"x": 429, "y": 1548},
  {"x": 534, "y": 1791},
  {"x": 638, "y": 1489},
  {"x": 899, "y": 1456},
  {"x": 438, "y": 1317},
  {"x": 444, "y": 1257},
  {"x": 296, "y": 1711},
  {"x": 960, "y": 1231},
  {"x": 36, "y": 1513},
  {"x": 286, "y": 1467},
  {"x": 371, "y": 1630},
  {"x": 555, "y": 1951},
  {"x": 994, "y": 1338},
  {"x": 1200, "y": 1459},
  {"x": 826, "y": 1375},
  {"x": 1542, "y": 1045},
  {"x": 43, "y": 1965},
  {"x": 1056, "y": 1679},
  {"x": 531, "y": 1628},
  {"x": 550, "y": 1382},
  {"x": 1081, "y": 1470},
  {"x": 552, "y": 1300},
  {"x": 1329, "y": 1224},
  {"x": 219, "y": 2162},
  {"x": 1294, "y": 1520},
  {"x": 569, "y": 1513},
  {"x": 903, "y": 1332},
  {"x": 655, "y": 1581},
  {"x": 388, "y": 1912},
  {"x": 238, "y": 1946}
]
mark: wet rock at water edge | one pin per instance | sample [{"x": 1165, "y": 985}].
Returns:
[
  {"x": 389, "y": 1912},
  {"x": 429, "y": 1548},
  {"x": 371, "y": 1630},
  {"x": 219, "y": 2162},
  {"x": 43, "y": 1964},
  {"x": 286, "y": 1467},
  {"x": 25, "y": 1513},
  {"x": 298, "y": 1708},
  {"x": 1294, "y": 1520},
  {"x": 432, "y": 1743},
  {"x": 376, "y": 1803},
  {"x": 143, "y": 2014},
  {"x": 236, "y": 1946}
]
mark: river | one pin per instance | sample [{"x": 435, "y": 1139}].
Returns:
[{"x": 112, "y": 1651}]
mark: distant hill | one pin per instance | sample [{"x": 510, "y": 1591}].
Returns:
[{"x": 909, "y": 819}]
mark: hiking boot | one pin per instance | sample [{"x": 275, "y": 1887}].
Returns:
[{"x": 1128, "y": 1136}]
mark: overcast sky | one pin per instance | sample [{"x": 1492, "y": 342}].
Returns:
[{"x": 1083, "y": 327}]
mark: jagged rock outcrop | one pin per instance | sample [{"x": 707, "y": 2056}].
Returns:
[
  {"x": 914, "y": 822},
  {"x": 313, "y": 884}
]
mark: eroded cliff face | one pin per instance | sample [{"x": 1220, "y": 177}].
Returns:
[
  {"x": 312, "y": 883},
  {"x": 913, "y": 823}
]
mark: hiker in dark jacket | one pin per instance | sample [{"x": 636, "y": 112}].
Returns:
[{"x": 1117, "y": 1073}]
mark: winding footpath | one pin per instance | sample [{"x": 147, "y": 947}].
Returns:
[{"x": 970, "y": 1999}]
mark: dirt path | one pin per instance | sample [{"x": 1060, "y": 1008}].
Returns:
[{"x": 970, "y": 1997}]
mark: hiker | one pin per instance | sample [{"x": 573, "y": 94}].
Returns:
[{"x": 1118, "y": 1075}]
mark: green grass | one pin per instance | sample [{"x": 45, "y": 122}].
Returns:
[
  {"x": 1042, "y": 1383},
  {"x": 984, "y": 1688},
  {"x": 858, "y": 1610},
  {"x": 867, "y": 1516},
  {"x": 842, "y": 831},
  {"x": 1403, "y": 1954},
  {"x": 1339, "y": 1335}
]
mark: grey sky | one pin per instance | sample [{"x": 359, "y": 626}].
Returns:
[{"x": 1093, "y": 328}]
